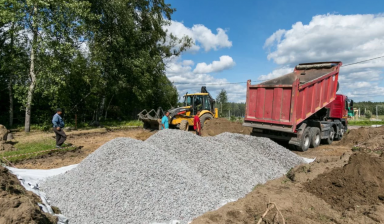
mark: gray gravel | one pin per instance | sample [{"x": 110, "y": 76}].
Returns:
[{"x": 172, "y": 175}]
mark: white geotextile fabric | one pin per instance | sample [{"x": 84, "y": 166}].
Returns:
[{"x": 30, "y": 179}]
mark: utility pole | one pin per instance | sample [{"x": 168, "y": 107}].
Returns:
[{"x": 377, "y": 115}]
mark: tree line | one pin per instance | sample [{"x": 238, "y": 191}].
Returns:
[
  {"x": 95, "y": 59},
  {"x": 228, "y": 109},
  {"x": 371, "y": 106}
]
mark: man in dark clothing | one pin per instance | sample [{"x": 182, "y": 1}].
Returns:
[
  {"x": 197, "y": 124},
  {"x": 58, "y": 125}
]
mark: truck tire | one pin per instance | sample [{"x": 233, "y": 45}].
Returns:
[
  {"x": 331, "y": 136},
  {"x": 184, "y": 126},
  {"x": 341, "y": 133},
  {"x": 205, "y": 118},
  {"x": 315, "y": 137},
  {"x": 305, "y": 140}
]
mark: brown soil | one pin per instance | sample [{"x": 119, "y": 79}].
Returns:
[
  {"x": 295, "y": 203},
  {"x": 87, "y": 141},
  {"x": 360, "y": 182},
  {"x": 365, "y": 137},
  {"x": 18, "y": 205},
  {"x": 221, "y": 125}
]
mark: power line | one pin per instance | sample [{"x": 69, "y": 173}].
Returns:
[
  {"x": 234, "y": 83},
  {"x": 362, "y": 61},
  {"x": 212, "y": 84}
]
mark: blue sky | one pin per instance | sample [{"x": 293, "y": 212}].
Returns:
[{"x": 329, "y": 30}]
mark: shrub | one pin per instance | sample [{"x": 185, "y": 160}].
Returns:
[{"x": 368, "y": 114}]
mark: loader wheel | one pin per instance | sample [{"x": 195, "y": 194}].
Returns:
[
  {"x": 331, "y": 136},
  {"x": 205, "y": 118},
  {"x": 184, "y": 125},
  {"x": 305, "y": 140},
  {"x": 315, "y": 137}
]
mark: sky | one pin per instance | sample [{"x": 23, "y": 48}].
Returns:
[{"x": 235, "y": 41}]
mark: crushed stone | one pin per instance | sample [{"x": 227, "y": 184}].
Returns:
[{"x": 173, "y": 175}]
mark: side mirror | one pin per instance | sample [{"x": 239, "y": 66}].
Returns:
[{"x": 351, "y": 104}]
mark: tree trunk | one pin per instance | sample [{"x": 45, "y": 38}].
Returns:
[
  {"x": 10, "y": 102},
  {"x": 32, "y": 75},
  {"x": 106, "y": 111},
  {"x": 10, "y": 81}
]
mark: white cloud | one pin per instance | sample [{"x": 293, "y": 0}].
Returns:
[
  {"x": 274, "y": 38},
  {"x": 225, "y": 62},
  {"x": 201, "y": 35},
  {"x": 186, "y": 80},
  {"x": 275, "y": 73},
  {"x": 346, "y": 38}
]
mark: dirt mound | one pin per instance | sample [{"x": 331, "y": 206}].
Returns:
[
  {"x": 221, "y": 125},
  {"x": 360, "y": 182},
  {"x": 18, "y": 205},
  {"x": 368, "y": 138}
]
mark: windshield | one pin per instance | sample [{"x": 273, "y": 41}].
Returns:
[{"x": 187, "y": 100}]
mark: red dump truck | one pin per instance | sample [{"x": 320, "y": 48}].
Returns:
[{"x": 301, "y": 107}]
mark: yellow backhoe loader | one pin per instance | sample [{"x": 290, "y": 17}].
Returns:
[{"x": 182, "y": 117}]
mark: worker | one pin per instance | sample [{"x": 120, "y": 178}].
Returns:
[
  {"x": 197, "y": 124},
  {"x": 58, "y": 125},
  {"x": 164, "y": 121}
]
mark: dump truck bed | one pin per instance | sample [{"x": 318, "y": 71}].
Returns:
[{"x": 281, "y": 104}]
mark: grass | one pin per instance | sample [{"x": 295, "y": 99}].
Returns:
[
  {"x": 365, "y": 122},
  {"x": 35, "y": 147},
  {"x": 86, "y": 126}
]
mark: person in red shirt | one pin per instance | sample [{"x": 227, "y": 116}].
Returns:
[{"x": 197, "y": 124}]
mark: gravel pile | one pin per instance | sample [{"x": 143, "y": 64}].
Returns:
[{"x": 172, "y": 175}]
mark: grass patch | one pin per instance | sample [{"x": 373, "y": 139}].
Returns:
[
  {"x": 82, "y": 125},
  {"x": 365, "y": 123},
  {"x": 35, "y": 147}
]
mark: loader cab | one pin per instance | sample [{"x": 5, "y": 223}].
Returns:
[{"x": 200, "y": 101}]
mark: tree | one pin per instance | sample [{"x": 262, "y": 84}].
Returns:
[
  {"x": 54, "y": 28},
  {"x": 129, "y": 46},
  {"x": 222, "y": 101}
]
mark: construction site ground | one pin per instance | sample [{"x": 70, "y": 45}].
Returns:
[{"x": 325, "y": 191}]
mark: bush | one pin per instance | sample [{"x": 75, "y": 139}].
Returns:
[
  {"x": 368, "y": 114},
  {"x": 233, "y": 118}
]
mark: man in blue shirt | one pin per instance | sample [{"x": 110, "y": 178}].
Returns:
[
  {"x": 58, "y": 125},
  {"x": 164, "y": 121}
]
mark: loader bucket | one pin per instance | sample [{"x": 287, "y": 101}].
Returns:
[{"x": 151, "y": 119}]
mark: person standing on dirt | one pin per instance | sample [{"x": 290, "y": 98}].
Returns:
[
  {"x": 58, "y": 125},
  {"x": 164, "y": 121},
  {"x": 197, "y": 124}
]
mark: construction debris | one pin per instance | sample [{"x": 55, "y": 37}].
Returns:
[{"x": 173, "y": 175}]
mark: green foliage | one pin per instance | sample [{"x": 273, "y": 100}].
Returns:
[
  {"x": 96, "y": 59},
  {"x": 368, "y": 114},
  {"x": 233, "y": 118}
]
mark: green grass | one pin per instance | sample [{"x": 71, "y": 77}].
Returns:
[
  {"x": 33, "y": 147},
  {"x": 86, "y": 126},
  {"x": 365, "y": 123}
]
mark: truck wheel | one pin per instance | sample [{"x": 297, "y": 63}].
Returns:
[
  {"x": 331, "y": 136},
  {"x": 340, "y": 135},
  {"x": 184, "y": 126},
  {"x": 315, "y": 137},
  {"x": 305, "y": 140},
  {"x": 205, "y": 118}
]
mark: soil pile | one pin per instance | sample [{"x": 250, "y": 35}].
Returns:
[
  {"x": 360, "y": 182},
  {"x": 221, "y": 125},
  {"x": 367, "y": 138},
  {"x": 18, "y": 205}
]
